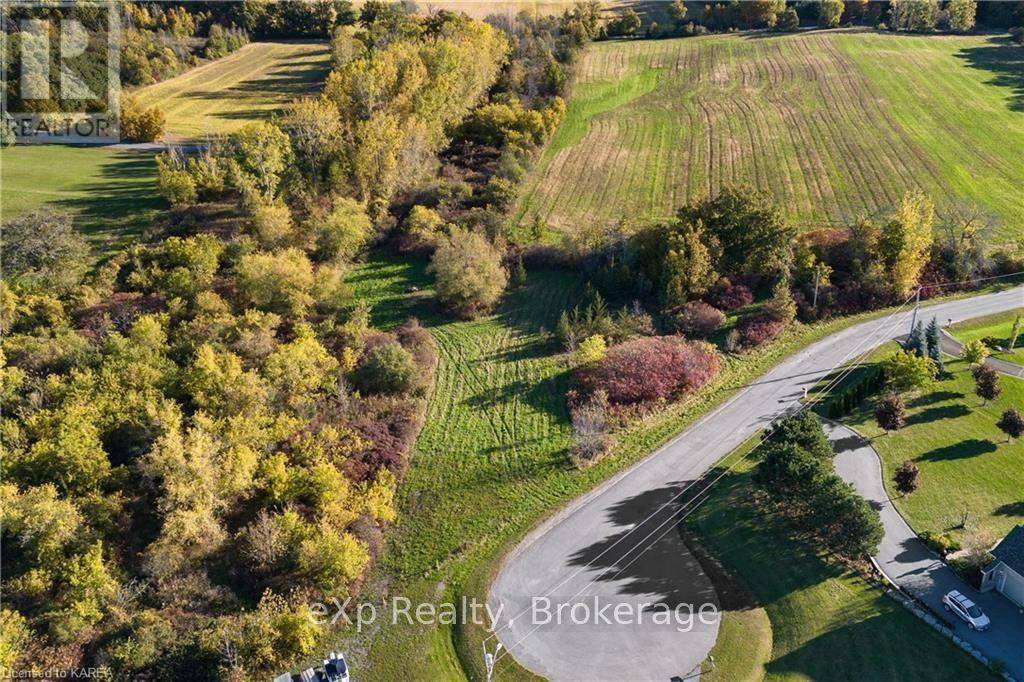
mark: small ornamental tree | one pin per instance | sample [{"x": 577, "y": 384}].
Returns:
[
  {"x": 1014, "y": 333},
  {"x": 890, "y": 413},
  {"x": 1011, "y": 423},
  {"x": 907, "y": 477},
  {"x": 590, "y": 350},
  {"x": 974, "y": 352},
  {"x": 905, "y": 371},
  {"x": 986, "y": 383}
]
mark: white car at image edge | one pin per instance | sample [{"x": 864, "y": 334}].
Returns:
[{"x": 967, "y": 610}]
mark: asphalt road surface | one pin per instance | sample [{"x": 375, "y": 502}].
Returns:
[{"x": 601, "y": 547}]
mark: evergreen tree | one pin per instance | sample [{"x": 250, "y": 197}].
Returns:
[
  {"x": 916, "y": 343},
  {"x": 517, "y": 277},
  {"x": 932, "y": 339}
]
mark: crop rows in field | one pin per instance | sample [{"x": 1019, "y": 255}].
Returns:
[
  {"x": 834, "y": 125},
  {"x": 254, "y": 82}
]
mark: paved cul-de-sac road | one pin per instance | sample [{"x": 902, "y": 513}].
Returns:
[{"x": 603, "y": 549}]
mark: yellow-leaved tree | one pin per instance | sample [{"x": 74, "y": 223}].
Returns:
[{"x": 905, "y": 241}]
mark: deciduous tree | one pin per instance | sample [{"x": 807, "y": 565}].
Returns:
[
  {"x": 986, "y": 383},
  {"x": 907, "y": 372},
  {"x": 907, "y": 477},
  {"x": 750, "y": 235},
  {"x": 961, "y": 15},
  {"x": 1011, "y": 423},
  {"x": 470, "y": 278},
  {"x": 974, "y": 352},
  {"x": 890, "y": 413},
  {"x": 905, "y": 241},
  {"x": 830, "y": 12}
]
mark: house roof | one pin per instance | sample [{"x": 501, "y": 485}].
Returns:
[{"x": 1011, "y": 550}]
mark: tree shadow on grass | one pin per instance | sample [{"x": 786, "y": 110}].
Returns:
[
  {"x": 1005, "y": 61},
  {"x": 1010, "y": 509},
  {"x": 120, "y": 203},
  {"x": 971, "y": 447},
  {"x": 937, "y": 413},
  {"x": 859, "y": 648},
  {"x": 546, "y": 395},
  {"x": 933, "y": 397}
]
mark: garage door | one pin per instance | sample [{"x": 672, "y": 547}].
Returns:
[{"x": 1013, "y": 587}]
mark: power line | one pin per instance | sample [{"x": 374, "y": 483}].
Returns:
[
  {"x": 697, "y": 500},
  {"x": 828, "y": 386}
]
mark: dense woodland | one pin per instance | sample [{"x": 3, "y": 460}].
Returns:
[{"x": 204, "y": 433}]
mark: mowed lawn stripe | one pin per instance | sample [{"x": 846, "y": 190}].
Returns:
[
  {"x": 252, "y": 83},
  {"x": 836, "y": 124}
]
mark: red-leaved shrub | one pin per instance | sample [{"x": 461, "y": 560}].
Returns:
[
  {"x": 729, "y": 296},
  {"x": 758, "y": 328},
  {"x": 699, "y": 319},
  {"x": 651, "y": 368}
]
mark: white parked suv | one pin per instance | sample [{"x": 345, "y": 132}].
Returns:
[{"x": 967, "y": 610}]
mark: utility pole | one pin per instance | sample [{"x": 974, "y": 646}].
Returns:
[
  {"x": 817, "y": 275},
  {"x": 489, "y": 659},
  {"x": 917, "y": 304}
]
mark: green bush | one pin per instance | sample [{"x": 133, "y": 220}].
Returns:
[
  {"x": 942, "y": 543},
  {"x": 387, "y": 368}
]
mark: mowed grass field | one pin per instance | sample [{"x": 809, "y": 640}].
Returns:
[
  {"x": 111, "y": 192},
  {"x": 824, "y": 622},
  {"x": 834, "y": 124},
  {"x": 254, "y": 82}
]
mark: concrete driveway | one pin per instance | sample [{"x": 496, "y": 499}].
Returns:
[
  {"x": 906, "y": 560},
  {"x": 588, "y": 549}
]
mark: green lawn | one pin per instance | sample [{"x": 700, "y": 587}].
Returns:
[
  {"x": 965, "y": 460},
  {"x": 112, "y": 193},
  {"x": 997, "y": 326},
  {"x": 653, "y": 123},
  {"x": 826, "y": 622},
  {"x": 254, "y": 82}
]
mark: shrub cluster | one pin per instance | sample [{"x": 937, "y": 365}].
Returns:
[
  {"x": 698, "y": 319},
  {"x": 593, "y": 318},
  {"x": 650, "y": 369},
  {"x": 758, "y": 328},
  {"x": 728, "y": 296}
]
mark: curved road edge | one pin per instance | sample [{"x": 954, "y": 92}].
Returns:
[
  {"x": 590, "y": 548},
  {"x": 907, "y": 562}
]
